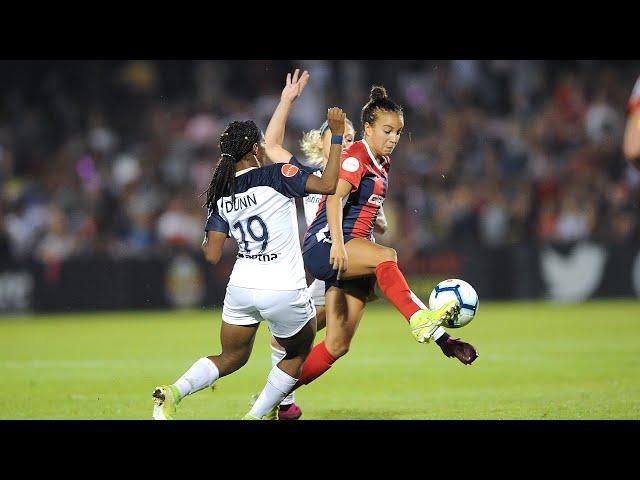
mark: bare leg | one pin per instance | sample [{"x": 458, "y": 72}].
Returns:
[
  {"x": 321, "y": 322},
  {"x": 321, "y": 317},
  {"x": 277, "y": 353},
  {"x": 365, "y": 256},
  {"x": 237, "y": 343},
  {"x": 285, "y": 374},
  {"x": 344, "y": 312},
  {"x": 297, "y": 348}
]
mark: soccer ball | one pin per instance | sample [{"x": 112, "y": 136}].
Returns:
[{"x": 456, "y": 289}]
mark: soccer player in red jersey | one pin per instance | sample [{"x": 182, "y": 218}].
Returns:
[
  {"x": 632, "y": 130},
  {"x": 338, "y": 247},
  {"x": 316, "y": 146}
]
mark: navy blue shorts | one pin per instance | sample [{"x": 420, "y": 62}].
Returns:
[{"x": 316, "y": 261}]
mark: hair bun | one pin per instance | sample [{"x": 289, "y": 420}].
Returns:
[{"x": 377, "y": 93}]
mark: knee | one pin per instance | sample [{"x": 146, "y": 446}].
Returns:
[
  {"x": 232, "y": 362},
  {"x": 242, "y": 361},
  {"x": 338, "y": 348},
  {"x": 299, "y": 352},
  {"x": 389, "y": 254}
]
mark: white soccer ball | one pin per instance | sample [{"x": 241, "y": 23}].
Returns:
[{"x": 456, "y": 289}]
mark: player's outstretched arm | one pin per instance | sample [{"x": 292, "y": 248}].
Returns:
[
  {"x": 212, "y": 245},
  {"x": 326, "y": 184},
  {"x": 632, "y": 138},
  {"x": 274, "y": 136}
]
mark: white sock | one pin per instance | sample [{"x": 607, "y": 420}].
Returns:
[
  {"x": 278, "y": 386},
  {"x": 438, "y": 333},
  {"x": 417, "y": 301},
  {"x": 201, "y": 374},
  {"x": 276, "y": 356}
]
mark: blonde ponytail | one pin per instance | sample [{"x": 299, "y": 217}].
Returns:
[{"x": 311, "y": 146}]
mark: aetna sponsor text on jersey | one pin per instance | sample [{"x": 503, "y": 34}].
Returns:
[
  {"x": 262, "y": 257},
  {"x": 240, "y": 203}
]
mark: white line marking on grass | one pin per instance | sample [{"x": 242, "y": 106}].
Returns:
[{"x": 64, "y": 363}]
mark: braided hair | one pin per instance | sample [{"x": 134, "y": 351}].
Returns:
[
  {"x": 235, "y": 142},
  {"x": 378, "y": 100}
]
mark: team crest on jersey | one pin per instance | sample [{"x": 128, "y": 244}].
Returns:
[
  {"x": 289, "y": 170},
  {"x": 351, "y": 164}
]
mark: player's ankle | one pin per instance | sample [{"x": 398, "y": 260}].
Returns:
[{"x": 442, "y": 339}]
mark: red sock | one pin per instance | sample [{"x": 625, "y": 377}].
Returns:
[
  {"x": 318, "y": 362},
  {"x": 395, "y": 288}
]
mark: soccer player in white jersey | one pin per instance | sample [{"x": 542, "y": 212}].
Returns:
[
  {"x": 632, "y": 130},
  {"x": 316, "y": 146},
  {"x": 256, "y": 205}
]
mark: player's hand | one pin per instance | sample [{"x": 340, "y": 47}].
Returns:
[
  {"x": 336, "y": 118},
  {"x": 338, "y": 258},
  {"x": 294, "y": 85},
  {"x": 464, "y": 352}
]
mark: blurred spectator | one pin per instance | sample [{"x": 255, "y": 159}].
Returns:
[
  {"x": 547, "y": 221},
  {"x": 5, "y": 242},
  {"x": 177, "y": 227},
  {"x": 110, "y": 157},
  {"x": 58, "y": 243},
  {"x": 494, "y": 220},
  {"x": 142, "y": 237},
  {"x": 574, "y": 222}
]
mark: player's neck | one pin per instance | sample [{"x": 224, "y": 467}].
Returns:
[
  {"x": 378, "y": 156},
  {"x": 246, "y": 163}
]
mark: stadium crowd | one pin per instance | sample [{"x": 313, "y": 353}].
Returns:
[{"x": 109, "y": 157}]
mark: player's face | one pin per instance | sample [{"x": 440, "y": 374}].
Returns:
[
  {"x": 384, "y": 134},
  {"x": 348, "y": 138}
]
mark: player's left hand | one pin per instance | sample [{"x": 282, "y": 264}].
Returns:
[
  {"x": 294, "y": 85},
  {"x": 465, "y": 352}
]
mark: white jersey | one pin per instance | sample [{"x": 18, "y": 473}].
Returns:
[
  {"x": 263, "y": 221},
  {"x": 311, "y": 202}
]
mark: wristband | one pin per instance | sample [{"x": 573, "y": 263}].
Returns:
[{"x": 336, "y": 139}]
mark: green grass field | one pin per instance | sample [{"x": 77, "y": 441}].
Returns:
[{"x": 537, "y": 361}]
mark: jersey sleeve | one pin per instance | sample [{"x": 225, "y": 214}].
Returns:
[
  {"x": 634, "y": 100},
  {"x": 216, "y": 223},
  {"x": 302, "y": 166},
  {"x": 352, "y": 171},
  {"x": 290, "y": 180}
]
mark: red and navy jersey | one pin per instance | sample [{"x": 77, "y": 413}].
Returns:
[{"x": 368, "y": 178}]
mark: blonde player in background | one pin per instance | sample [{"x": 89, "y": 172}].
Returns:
[
  {"x": 631, "y": 145},
  {"x": 316, "y": 146}
]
